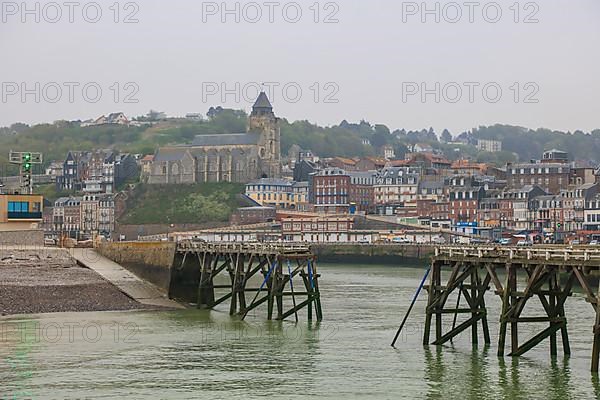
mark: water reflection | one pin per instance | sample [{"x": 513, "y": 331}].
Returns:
[
  {"x": 193, "y": 354},
  {"x": 509, "y": 379},
  {"x": 450, "y": 371}
]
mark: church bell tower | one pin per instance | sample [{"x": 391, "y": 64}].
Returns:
[{"x": 262, "y": 120}]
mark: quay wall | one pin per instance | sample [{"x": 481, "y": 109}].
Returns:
[
  {"x": 22, "y": 238},
  {"x": 151, "y": 261},
  {"x": 374, "y": 253},
  {"x": 154, "y": 261}
]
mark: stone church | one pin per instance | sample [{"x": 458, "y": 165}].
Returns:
[{"x": 236, "y": 157}]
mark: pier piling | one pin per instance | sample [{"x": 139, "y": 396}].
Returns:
[
  {"x": 547, "y": 274},
  {"x": 237, "y": 264}
]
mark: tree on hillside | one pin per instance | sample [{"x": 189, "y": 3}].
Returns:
[
  {"x": 381, "y": 137},
  {"x": 446, "y": 136}
]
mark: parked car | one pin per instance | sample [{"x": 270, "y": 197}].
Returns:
[
  {"x": 524, "y": 243},
  {"x": 594, "y": 243},
  {"x": 364, "y": 241},
  {"x": 575, "y": 243},
  {"x": 400, "y": 240},
  {"x": 504, "y": 242}
]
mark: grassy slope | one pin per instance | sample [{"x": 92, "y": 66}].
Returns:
[{"x": 178, "y": 204}]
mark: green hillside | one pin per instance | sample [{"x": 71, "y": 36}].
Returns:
[
  {"x": 345, "y": 139},
  {"x": 182, "y": 204}
]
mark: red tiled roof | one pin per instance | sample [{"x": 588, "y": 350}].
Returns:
[{"x": 346, "y": 160}]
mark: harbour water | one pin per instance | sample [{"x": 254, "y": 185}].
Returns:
[{"x": 208, "y": 355}]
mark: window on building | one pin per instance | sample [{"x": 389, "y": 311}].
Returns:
[{"x": 18, "y": 206}]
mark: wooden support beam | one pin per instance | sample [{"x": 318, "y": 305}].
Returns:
[
  {"x": 222, "y": 299},
  {"x": 310, "y": 293},
  {"x": 206, "y": 291},
  {"x": 316, "y": 291},
  {"x": 438, "y": 317},
  {"x": 456, "y": 331},
  {"x": 431, "y": 296},
  {"x": 491, "y": 269},
  {"x": 256, "y": 303},
  {"x": 505, "y": 306},
  {"x": 294, "y": 310},
  {"x": 512, "y": 287},
  {"x": 531, "y": 343},
  {"x": 483, "y": 288}
]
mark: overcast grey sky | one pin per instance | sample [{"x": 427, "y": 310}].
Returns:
[{"x": 371, "y": 61}]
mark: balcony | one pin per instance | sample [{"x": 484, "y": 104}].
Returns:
[{"x": 24, "y": 216}]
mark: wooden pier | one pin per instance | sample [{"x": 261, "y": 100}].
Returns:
[
  {"x": 288, "y": 273},
  {"x": 546, "y": 273}
]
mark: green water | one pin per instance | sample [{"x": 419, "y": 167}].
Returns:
[{"x": 207, "y": 355}]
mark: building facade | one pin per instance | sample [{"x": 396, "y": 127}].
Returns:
[
  {"x": 330, "y": 191},
  {"x": 397, "y": 186},
  {"x": 279, "y": 193},
  {"x": 491, "y": 146}
]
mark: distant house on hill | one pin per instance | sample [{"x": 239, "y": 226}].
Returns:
[
  {"x": 117, "y": 118},
  {"x": 194, "y": 116},
  {"x": 491, "y": 146},
  {"x": 387, "y": 152},
  {"x": 422, "y": 148}
]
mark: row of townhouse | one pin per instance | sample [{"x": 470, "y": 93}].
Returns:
[
  {"x": 98, "y": 171},
  {"x": 279, "y": 193},
  {"x": 551, "y": 194},
  {"x": 81, "y": 217}
]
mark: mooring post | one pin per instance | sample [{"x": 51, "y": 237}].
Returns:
[
  {"x": 474, "y": 306},
  {"x": 289, "y": 265},
  {"x": 316, "y": 291},
  {"x": 233, "y": 272},
  {"x": 514, "y": 326},
  {"x": 271, "y": 287},
  {"x": 241, "y": 281},
  {"x": 279, "y": 283},
  {"x": 206, "y": 291},
  {"x": 552, "y": 289},
  {"x": 504, "y": 316},
  {"x": 438, "y": 307},
  {"x": 483, "y": 287},
  {"x": 596, "y": 346},
  {"x": 430, "y": 300}
]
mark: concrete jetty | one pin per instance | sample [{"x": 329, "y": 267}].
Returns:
[{"x": 134, "y": 287}]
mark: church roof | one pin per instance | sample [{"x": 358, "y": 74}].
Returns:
[
  {"x": 262, "y": 101},
  {"x": 165, "y": 154},
  {"x": 227, "y": 139}
]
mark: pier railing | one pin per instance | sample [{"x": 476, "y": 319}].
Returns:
[
  {"x": 247, "y": 248},
  {"x": 560, "y": 255}
]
